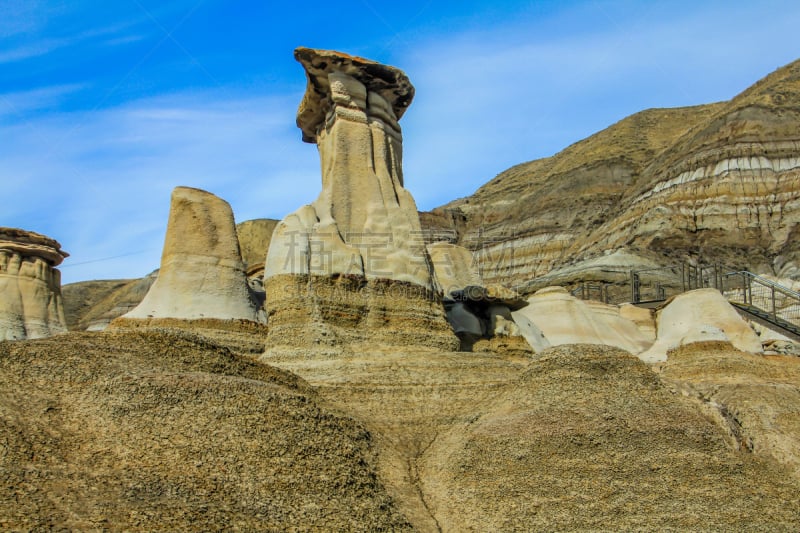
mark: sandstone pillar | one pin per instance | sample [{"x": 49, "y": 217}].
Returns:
[
  {"x": 30, "y": 285},
  {"x": 352, "y": 266},
  {"x": 202, "y": 274}
]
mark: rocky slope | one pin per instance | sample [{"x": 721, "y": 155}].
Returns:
[
  {"x": 757, "y": 398},
  {"x": 719, "y": 182},
  {"x": 589, "y": 439},
  {"x": 155, "y": 431},
  {"x": 92, "y": 305},
  {"x": 577, "y": 437}
]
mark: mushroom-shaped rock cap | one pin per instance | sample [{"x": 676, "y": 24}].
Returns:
[
  {"x": 390, "y": 82},
  {"x": 32, "y": 244}
]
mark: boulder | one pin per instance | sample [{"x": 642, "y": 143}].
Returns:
[
  {"x": 454, "y": 267},
  {"x": 475, "y": 310},
  {"x": 564, "y": 319},
  {"x": 697, "y": 316},
  {"x": 30, "y": 286}
]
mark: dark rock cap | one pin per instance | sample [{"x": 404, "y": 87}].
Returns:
[
  {"x": 32, "y": 244},
  {"x": 493, "y": 294},
  {"x": 390, "y": 82}
]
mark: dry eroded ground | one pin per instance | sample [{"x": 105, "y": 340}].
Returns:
[{"x": 145, "y": 430}]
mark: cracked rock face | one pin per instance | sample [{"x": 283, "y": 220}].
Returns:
[
  {"x": 201, "y": 274},
  {"x": 30, "y": 286}
]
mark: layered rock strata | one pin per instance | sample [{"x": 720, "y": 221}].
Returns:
[
  {"x": 718, "y": 183},
  {"x": 334, "y": 266},
  {"x": 30, "y": 286}
]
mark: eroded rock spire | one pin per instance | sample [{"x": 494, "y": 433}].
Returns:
[
  {"x": 364, "y": 225},
  {"x": 202, "y": 274},
  {"x": 30, "y": 285}
]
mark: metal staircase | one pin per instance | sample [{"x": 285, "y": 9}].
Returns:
[
  {"x": 765, "y": 299},
  {"x": 760, "y": 299}
]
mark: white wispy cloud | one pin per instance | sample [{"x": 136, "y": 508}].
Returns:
[
  {"x": 24, "y": 25},
  {"x": 102, "y": 188},
  {"x": 489, "y": 98},
  {"x": 19, "y": 103}
]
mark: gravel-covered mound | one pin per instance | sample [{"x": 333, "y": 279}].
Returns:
[
  {"x": 150, "y": 431},
  {"x": 589, "y": 438}
]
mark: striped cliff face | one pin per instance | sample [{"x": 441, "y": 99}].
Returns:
[{"x": 721, "y": 181}]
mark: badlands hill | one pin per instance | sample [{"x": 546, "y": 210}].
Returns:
[
  {"x": 167, "y": 430},
  {"x": 341, "y": 404},
  {"x": 714, "y": 183}
]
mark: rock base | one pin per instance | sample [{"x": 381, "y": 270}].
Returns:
[
  {"x": 240, "y": 336},
  {"x": 312, "y": 316}
]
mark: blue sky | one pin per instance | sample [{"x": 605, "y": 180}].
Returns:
[{"x": 106, "y": 106}]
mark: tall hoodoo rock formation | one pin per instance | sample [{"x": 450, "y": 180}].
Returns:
[
  {"x": 353, "y": 262},
  {"x": 30, "y": 285},
  {"x": 201, "y": 274}
]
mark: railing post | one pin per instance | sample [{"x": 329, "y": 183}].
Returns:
[
  {"x": 774, "y": 310},
  {"x": 683, "y": 277},
  {"x": 634, "y": 287}
]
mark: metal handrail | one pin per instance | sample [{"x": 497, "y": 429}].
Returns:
[
  {"x": 766, "y": 298},
  {"x": 764, "y": 281}
]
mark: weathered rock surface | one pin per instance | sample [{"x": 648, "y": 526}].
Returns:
[
  {"x": 152, "y": 432},
  {"x": 698, "y": 316},
  {"x": 576, "y": 437},
  {"x": 92, "y": 305},
  {"x": 327, "y": 316},
  {"x": 563, "y": 319},
  {"x": 454, "y": 268},
  {"x": 474, "y": 310},
  {"x": 201, "y": 274},
  {"x": 719, "y": 182},
  {"x": 143, "y": 429},
  {"x": 364, "y": 222},
  {"x": 754, "y": 398},
  {"x": 30, "y": 286},
  {"x": 330, "y": 263},
  {"x": 589, "y": 439}
]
